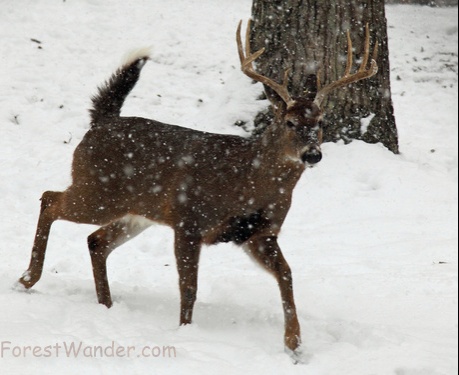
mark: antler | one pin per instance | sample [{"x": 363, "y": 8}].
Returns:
[
  {"x": 348, "y": 78},
  {"x": 247, "y": 60}
]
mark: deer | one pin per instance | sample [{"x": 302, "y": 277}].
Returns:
[{"x": 130, "y": 172}]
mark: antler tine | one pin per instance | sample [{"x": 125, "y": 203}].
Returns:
[
  {"x": 375, "y": 52},
  {"x": 363, "y": 73},
  {"x": 247, "y": 58},
  {"x": 239, "y": 43},
  {"x": 350, "y": 58},
  {"x": 366, "y": 54}
]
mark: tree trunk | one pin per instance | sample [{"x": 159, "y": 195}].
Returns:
[{"x": 309, "y": 36}]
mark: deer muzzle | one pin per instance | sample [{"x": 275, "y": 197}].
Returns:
[{"x": 311, "y": 155}]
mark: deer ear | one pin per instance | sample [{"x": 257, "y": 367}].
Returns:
[{"x": 311, "y": 87}]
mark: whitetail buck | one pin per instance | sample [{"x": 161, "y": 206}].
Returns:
[{"x": 131, "y": 172}]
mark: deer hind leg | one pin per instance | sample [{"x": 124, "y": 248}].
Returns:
[
  {"x": 50, "y": 211},
  {"x": 106, "y": 239},
  {"x": 187, "y": 252},
  {"x": 266, "y": 251}
]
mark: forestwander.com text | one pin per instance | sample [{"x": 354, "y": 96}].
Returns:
[{"x": 65, "y": 349}]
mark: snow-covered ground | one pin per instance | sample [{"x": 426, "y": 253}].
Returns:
[{"x": 371, "y": 238}]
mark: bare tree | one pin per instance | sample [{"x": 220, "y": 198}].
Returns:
[{"x": 309, "y": 36}]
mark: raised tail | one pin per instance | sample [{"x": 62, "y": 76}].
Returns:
[{"x": 110, "y": 97}]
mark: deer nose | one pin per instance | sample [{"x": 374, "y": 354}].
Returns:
[{"x": 312, "y": 156}]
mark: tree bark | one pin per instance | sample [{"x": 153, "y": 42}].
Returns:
[{"x": 309, "y": 37}]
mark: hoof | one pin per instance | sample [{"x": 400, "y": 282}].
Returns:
[
  {"x": 297, "y": 356},
  {"x": 26, "y": 281},
  {"x": 19, "y": 286},
  {"x": 292, "y": 342}
]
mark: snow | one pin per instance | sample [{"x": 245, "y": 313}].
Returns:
[{"x": 371, "y": 237}]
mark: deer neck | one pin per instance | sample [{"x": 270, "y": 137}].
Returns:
[{"x": 275, "y": 157}]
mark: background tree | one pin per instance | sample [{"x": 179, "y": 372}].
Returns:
[{"x": 309, "y": 36}]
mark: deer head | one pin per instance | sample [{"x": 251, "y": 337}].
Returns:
[{"x": 301, "y": 118}]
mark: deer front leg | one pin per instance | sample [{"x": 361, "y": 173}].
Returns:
[
  {"x": 268, "y": 253},
  {"x": 187, "y": 252},
  {"x": 49, "y": 212},
  {"x": 102, "y": 242}
]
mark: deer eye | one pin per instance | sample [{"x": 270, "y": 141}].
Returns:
[{"x": 290, "y": 124}]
